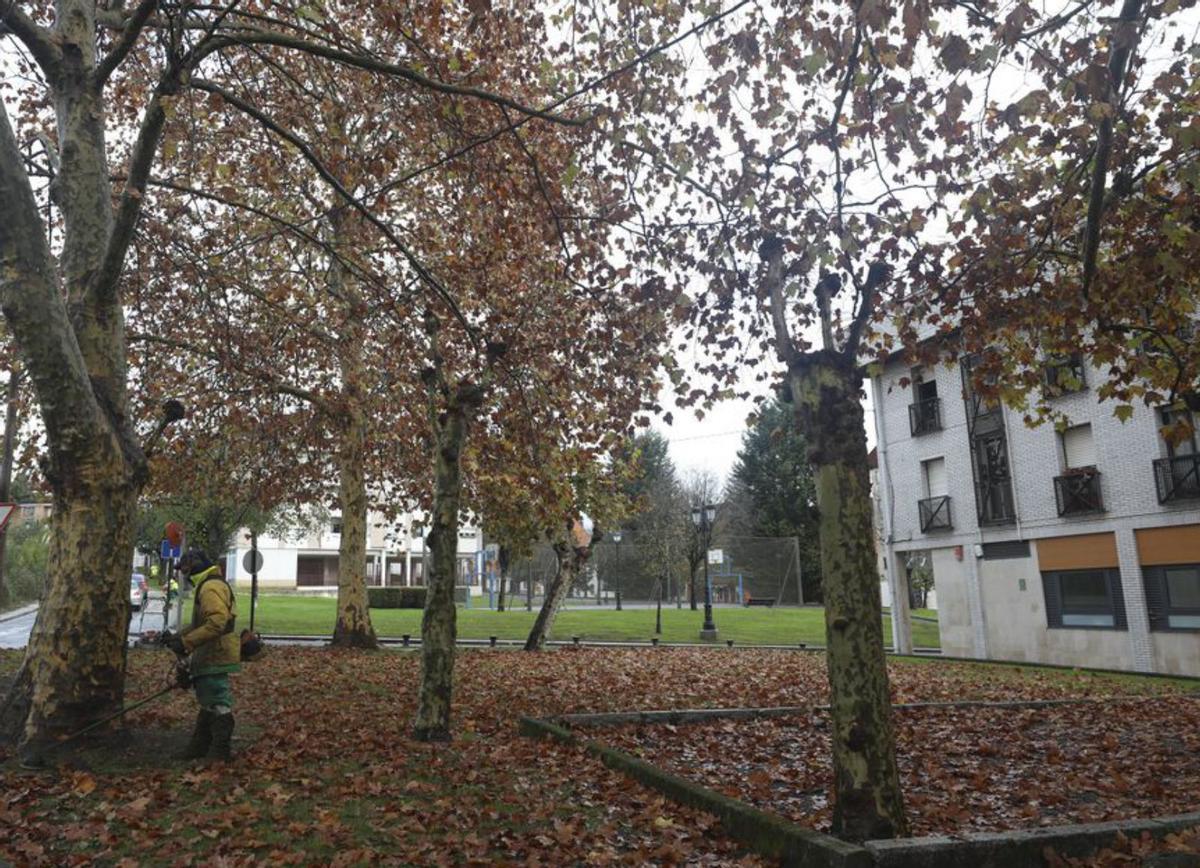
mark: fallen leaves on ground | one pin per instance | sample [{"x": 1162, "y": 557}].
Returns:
[
  {"x": 331, "y": 776},
  {"x": 963, "y": 769}
]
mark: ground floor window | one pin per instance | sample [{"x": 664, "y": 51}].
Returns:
[
  {"x": 1084, "y": 598},
  {"x": 1173, "y": 596}
]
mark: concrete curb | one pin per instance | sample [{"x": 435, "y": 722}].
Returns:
[
  {"x": 699, "y": 715},
  {"x": 766, "y": 834},
  {"x": 1023, "y": 847},
  {"x": 11, "y": 614},
  {"x": 774, "y": 837},
  {"x": 415, "y": 641}
]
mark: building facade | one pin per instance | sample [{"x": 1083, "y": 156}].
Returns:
[
  {"x": 1077, "y": 547},
  {"x": 308, "y": 559}
]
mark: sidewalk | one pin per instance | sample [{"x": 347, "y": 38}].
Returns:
[{"x": 18, "y": 613}]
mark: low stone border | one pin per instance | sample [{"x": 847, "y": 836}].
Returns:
[
  {"x": 1022, "y": 847},
  {"x": 699, "y": 715},
  {"x": 775, "y": 837},
  {"x": 766, "y": 834}
]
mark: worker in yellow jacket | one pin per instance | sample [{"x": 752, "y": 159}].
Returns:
[{"x": 215, "y": 651}]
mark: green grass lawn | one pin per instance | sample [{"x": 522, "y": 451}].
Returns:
[{"x": 313, "y": 616}]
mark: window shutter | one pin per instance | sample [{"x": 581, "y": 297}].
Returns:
[
  {"x": 1053, "y": 599},
  {"x": 1117, "y": 593},
  {"x": 1154, "y": 581},
  {"x": 935, "y": 477},
  {"x": 1078, "y": 448}
]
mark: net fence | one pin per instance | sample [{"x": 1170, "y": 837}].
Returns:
[{"x": 638, "y": 570}]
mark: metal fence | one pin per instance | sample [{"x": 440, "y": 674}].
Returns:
[{"x": 640, "y": 570}]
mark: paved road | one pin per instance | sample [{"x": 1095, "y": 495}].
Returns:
[{"x": 14, "y": 632}]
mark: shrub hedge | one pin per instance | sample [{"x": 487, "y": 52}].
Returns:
[{"x": 396, "y": 598}]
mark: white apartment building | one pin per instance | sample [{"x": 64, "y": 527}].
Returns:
[
  {"x": 1079, "y": 547},
  {"x": 309, "y": 559}
]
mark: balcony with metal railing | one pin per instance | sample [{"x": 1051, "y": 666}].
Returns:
[
  {"x": 925, "y": 416},
  {"x": 1077, "y": 492},
  {"x": 1177, "y": 478},
  {"x": 935, "y": 513}
]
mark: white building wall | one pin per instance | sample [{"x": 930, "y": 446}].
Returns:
[
  {"x": 983, "y": 609},
  {"x": 393, "y": 544}
]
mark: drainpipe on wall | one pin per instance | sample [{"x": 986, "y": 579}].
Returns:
[{"x": 901, "y": 623}]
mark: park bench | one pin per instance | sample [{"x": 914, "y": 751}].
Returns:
[{"x": 760, "y": 601}]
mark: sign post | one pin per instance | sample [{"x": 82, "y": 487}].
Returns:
[
  {"x": 253, "y": 561},
  {"x": 169, "y": 551}
]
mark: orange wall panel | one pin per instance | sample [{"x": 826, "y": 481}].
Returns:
[
  {"x": 1158, "y": 546},
  {"x": 1083, "y": 552}
]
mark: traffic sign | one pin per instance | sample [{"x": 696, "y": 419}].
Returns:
[
  {"x": 252, "y": 560},
  {"x": 6, "y": 512},
  {"x": 716, "y": 556},
  {"x": 169, "y": 552}
]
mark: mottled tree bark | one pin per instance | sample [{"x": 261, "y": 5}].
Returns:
[
  {"x": 438, "y": 625},
  {"x": 564, "y": 576},
  {"x": 572, "y": 558},
  {"x": 867, "y": 799},
  {"x": 74, "y": 354},
  {"x": 11, "y": 421},
  {"x": 353, "y": 628}
]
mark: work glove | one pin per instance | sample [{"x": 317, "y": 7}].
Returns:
[
  {"x": 183, "y": 676},
  {"x": 175, "y": 642}
]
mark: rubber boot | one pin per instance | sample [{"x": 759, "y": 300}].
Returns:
[
  {"x": 222, "y": 736},
  {"x": 202, "y": 737}
]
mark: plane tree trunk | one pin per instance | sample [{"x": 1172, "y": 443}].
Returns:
[
  {"x": 825, "y": 387},
  {"x": 867, "y": 797},
  {"x": 438, "y": 624},
  {"x": 572, "y": 554},
  {"x": 66, "y": 319},
  {"x": 11, "y": 421},
  {"x": 564, "y": 575},
  {"x": 353, "y": 628}
]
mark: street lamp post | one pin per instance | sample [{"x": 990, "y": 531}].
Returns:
[
  {"x": 617, "y": 539},
  {"x": 702, "y": 518}
]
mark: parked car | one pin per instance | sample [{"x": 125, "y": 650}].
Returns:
[{"x": 138, "y": 591}]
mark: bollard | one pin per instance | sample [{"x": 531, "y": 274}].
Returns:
[
  {"x": 405, "y": 639},
  {"x": 575, "y": 639},
  {"x": 492, "y": 639},
  {"x": 654, "y": 641}
]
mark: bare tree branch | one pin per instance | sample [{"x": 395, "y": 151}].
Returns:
[
  {"x": 313, "y": 160},
  {"x": 39, "y": 40},
  {"x": 1122, "y": 42},
  {"x": 771, "y": 251},
  {"x": 877, "y": 275},
  {"x": 125, "y": 42},
  {"x": 392, "y": 70}
]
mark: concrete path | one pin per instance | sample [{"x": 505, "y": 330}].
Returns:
[{"x": 16, "y": 625}]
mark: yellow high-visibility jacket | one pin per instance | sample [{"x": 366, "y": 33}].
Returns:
[{"x": 212, "y": 640}]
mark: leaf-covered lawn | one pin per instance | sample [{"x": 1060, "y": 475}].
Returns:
[
  {"x": 330, "y": 775},
  {"x": 962, "y": 769},
  {"x": 297, "y": 615}
]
